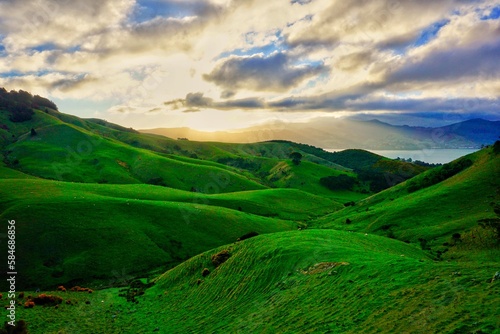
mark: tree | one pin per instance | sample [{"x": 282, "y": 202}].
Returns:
[
  {"x": 496, "y": 147},
  {"x": 296, "y": 157}
]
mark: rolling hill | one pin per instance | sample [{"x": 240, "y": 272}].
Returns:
[
  {"x": 295, "y": 282},
  {"x": 431, "y": 207}
]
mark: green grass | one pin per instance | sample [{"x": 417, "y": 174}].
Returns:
[
  {"x": 66, "y": 153},
  {"x": 434, "y": 213},
  {"x": 84, "y": 232},
  {"x": 269, "y": 285}
]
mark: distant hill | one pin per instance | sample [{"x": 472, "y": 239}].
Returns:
[{"x": 331, "y": 133}]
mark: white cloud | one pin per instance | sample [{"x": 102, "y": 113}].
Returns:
[{"x": 331, "y": 50}]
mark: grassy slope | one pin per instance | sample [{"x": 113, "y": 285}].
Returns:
[
  {"x": 72, "y": 149},
  {"x": 79, "y": 230},
  {"x": 89, "y": 238},
  {"x": 268, "y": 286},
  {"x": 64, "y": 152},
  {"x": 434, "y": 213}
]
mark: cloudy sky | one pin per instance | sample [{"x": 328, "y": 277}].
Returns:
[{"x": 222, "y": 64}]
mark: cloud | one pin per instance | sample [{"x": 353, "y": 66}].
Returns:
[
  {"x": 451, "y": 64},
  {"x": 195, "y": 101},
  {"x": 276, "y": 72},
  {"x": 256, "y": 55},
  {"x": 65, "y": 23},
  {"x": 353, "y": 61}
]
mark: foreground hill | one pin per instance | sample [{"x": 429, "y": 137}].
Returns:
[{"x": 295, "y": 282}]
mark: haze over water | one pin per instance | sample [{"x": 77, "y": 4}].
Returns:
[{"x": 432, "y": 156}]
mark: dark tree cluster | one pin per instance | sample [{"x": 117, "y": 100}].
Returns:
[
  {"x": 496, "y": 147},
  {"x": 339, "y": 182},
  {"x": 418, "y": 162},
  {"x": 20, "y": 104},
  {"x": 296, "y": 157},
  {"x": 240, "y": 163}
]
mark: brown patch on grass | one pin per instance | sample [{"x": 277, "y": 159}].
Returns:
[
  {"x": 322, "y": 267},
  {"x": 220, "y": 258},
  {"x": 123, "y": 164}
]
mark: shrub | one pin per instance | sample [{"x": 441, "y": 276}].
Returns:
[
  {"x": 205, "y": 272},
  {"x": 80, "y": 289},
  {"x": 29, "y": 304},
  {"x": 50, "y": 300},
  {"x": 220, "y": 258}
]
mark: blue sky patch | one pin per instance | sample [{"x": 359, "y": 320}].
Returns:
[
  {"x": 494, "y": 14},
  {"x": 146, "y": 10},
  {"x": 15, "y": 74},
  {"x": 266, "y": 50},
  {"x": 45, "y": 47},
  {"x": 11, "y": 74},
  {"x": 429, "y": 33}
]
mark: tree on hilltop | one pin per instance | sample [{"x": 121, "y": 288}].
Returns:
[{"x": 296, "y": 157}]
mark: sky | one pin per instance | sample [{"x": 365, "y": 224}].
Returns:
[{"x": 228, "y": 64}]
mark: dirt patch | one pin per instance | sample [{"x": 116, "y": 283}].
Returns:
[
  {"x": 322, "y": 267},
  {"x": 123, "y": 164}
]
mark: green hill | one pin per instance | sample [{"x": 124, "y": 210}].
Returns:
[
  {"x": 295, "y": 282},
  {"x": 433, "y": 212},
  {"x": 68, "y": 228}
]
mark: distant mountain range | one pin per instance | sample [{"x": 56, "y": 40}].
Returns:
[{"x": 331, "y": 133}]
